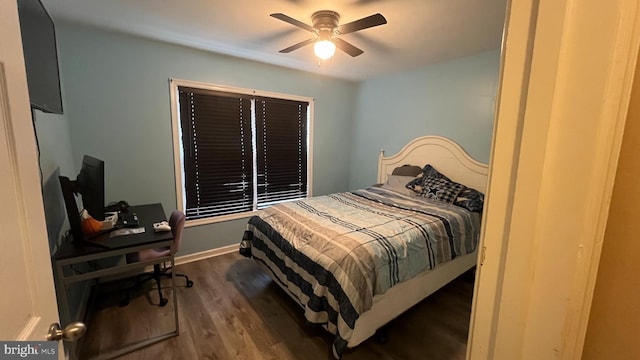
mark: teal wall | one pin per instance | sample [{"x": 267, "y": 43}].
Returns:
[
  {"x": 117, "y": 103},
  {"x": 117, "y": 108},
  {"x": 455, "y": 99},
  {"x": 54, "y": 145}
]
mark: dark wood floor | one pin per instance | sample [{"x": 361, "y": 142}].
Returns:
[{"x": 234, "y": 311}]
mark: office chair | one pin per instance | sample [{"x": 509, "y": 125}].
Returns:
[{"x": 176, "y": 222}]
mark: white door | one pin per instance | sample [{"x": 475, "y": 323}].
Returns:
[{"x": 28, "y": 302}]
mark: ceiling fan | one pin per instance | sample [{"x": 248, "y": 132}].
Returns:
[{"x": 326, "y": 28}]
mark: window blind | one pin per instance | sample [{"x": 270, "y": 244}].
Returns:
[
  {"x": 217, "y": 151},
  {"x": 226, "y": 137},
  {"x": 281, "y": 150}
]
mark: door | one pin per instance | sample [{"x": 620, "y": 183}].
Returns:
[
  {"x": 563, "y": 100},
  {"x": 28, "y": 305}
]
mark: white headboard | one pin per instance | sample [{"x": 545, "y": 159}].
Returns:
[{"x": 443, "y": 154}]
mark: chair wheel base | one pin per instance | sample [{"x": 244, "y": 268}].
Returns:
[{"x": 189, "y": 283}]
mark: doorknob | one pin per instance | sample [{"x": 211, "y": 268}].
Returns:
[{"x": 71, "y": 332}]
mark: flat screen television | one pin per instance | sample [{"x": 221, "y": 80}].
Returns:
[{"x": 40, "y": 56}]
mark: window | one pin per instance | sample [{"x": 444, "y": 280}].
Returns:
[{"x": 238, "y": 150}]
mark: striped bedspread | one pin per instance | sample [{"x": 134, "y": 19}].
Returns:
[{"x": 334, "y": 253}]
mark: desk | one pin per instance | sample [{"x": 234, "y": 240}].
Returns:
[{"x": 79, "y": 252}]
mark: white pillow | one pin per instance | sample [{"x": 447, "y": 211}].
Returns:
[{"x": 398, "y": 184}]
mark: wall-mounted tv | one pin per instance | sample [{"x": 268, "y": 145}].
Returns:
[{"x": 40, "y": 56}]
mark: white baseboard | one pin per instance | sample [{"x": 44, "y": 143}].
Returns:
[
  {"x": 198, "y": 256},
  {"x": 207, "y": 254}
]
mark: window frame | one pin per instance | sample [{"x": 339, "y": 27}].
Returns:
[{"x": 178, "y": 146}]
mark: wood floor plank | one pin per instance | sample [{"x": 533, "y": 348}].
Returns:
[{"x": 235, "y": 311}]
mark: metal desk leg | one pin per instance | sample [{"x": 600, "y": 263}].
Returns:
[
  {"x": 175, "y": 291},
  {"x": 65, "y": 315}
]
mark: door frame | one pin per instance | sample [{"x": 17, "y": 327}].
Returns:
[
  {"x": 566, "y": 77},
  {"x": 24, "y": 178}
]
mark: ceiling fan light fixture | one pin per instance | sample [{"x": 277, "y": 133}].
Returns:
[
  {"x": 325, "y": 27},
  {"x": 324, "y": 49}
]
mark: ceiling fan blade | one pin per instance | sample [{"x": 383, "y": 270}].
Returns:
[
  {"x": 292, "y": 21},
  {"x": 364, "y": 23},
  {"x": 346, "y": 47},
  {"x": 298, "y": 46}
]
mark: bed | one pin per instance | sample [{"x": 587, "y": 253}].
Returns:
[{"x": 356, "y": 260}]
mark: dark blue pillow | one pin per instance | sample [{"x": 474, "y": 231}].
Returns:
[
  {"x": 471, "y": 199},
  {"x": 435, "y": 185},
  {"x": 441, "y": 189},
  {"x": 430, "y": 171}
]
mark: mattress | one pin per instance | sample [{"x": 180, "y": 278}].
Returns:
[{"x": 335, "y": 253}]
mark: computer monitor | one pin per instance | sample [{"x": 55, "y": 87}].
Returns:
[
  {"x": 68, "y": 189},
  {"x": 90, "y": 185}
]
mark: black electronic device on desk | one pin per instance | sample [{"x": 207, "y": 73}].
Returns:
[{"x": 127, "y": 220}]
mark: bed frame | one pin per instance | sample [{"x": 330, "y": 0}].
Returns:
[
  {"x": 450, "y": 159},
  {"x": 443, "y": 154}
]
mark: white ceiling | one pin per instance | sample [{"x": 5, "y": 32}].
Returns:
[{"x": 417, "y": 33}]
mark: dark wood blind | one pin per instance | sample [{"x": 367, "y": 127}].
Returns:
[
  {"x": 217, "y": 152},
  {"x": 281, "y": 150}
]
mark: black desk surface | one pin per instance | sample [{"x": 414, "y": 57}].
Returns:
[{"x": 147, "y": 216}]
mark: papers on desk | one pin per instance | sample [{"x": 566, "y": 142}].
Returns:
[{"x": 126, "y": 231}]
